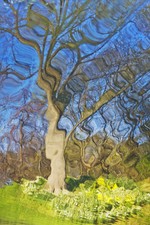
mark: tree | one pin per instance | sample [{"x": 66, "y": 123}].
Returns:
[
  {"x": 22, "y": 142},
  {"x": 68, "y": 39}
]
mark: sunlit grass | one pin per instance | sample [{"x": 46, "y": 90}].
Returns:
[
  {"x": 16, "y": 206},
  {"x": 101, "y": 201},
  {"x": 19, "y": 208}
]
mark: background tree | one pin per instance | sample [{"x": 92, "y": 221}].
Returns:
[
  {"x": 83, "y": 63},
  {"x": 22, "y": 141}
]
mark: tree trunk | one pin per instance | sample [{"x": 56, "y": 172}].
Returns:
[{"x": 55, "y": 141}]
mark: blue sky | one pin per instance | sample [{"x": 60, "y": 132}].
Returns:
[{"x": 131, "y": 39}]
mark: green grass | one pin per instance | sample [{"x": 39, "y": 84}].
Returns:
[
  {"x": 103, "y": 201},
  {"x": 19, "y": 208},
  {"x": 142, "y": 219}
]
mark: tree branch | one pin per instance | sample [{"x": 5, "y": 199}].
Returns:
[{"x": 104, "y": 99}]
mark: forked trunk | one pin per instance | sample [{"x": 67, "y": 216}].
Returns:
[{"x": 55, "y": 141}]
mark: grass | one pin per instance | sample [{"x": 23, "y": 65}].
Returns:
[
  {"x": 142, "y": 219},
  {"x": 19, "y": 208},
  {"x": 101, "y": 201}
]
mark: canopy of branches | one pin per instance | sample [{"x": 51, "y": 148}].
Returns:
[{"x": 92, "y": 55}]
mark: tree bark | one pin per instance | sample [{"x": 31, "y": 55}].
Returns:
[{"x": 54, "y": 142}]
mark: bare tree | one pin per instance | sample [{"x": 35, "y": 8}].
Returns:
[{"x": 68, "y": 38}]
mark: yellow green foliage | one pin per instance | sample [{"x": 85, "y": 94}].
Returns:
[{"x": 102, "y": 201}]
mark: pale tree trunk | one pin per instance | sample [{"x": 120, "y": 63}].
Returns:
[{"x": 55, "y": 143}]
